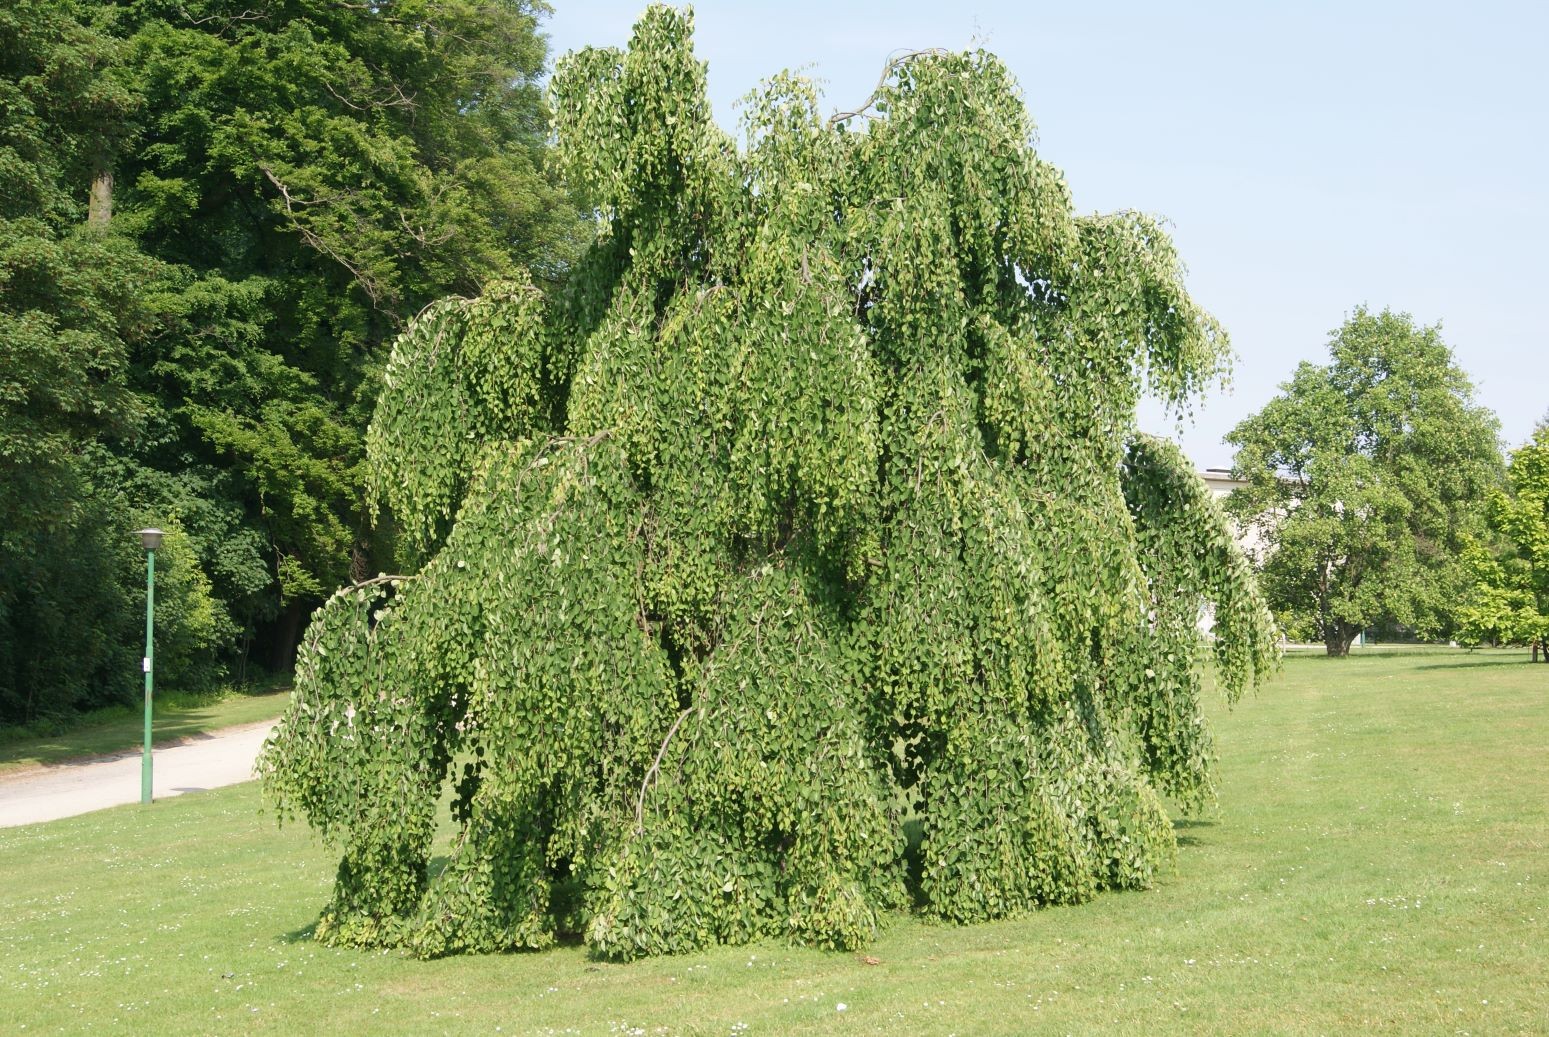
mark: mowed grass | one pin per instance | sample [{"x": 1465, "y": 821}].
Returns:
[
  {"x": 1378, "y": 864},
  {"x": 121, "y": 729}
]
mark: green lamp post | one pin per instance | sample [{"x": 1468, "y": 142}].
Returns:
[{"x": 150, "y": 539}]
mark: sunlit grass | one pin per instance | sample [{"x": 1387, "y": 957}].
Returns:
[{"x": 1376, "y": 865}]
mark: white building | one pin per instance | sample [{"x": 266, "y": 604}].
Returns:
[
  {"x": 1251, "y": 540},
  {"x": 1221, "y": 483}
]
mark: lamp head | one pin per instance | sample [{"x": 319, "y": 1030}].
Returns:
[{"x": 150, "y": 539}]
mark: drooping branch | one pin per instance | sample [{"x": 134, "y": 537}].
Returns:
[
  {"x": 882, "y": 552},
  {"x": 375, "y": 581}
]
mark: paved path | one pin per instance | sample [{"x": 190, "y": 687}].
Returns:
[{"x": 208, "y": 761}]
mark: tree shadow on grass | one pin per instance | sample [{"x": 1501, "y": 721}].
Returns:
[
  {"x": 1469, "y": 663},
  {"x": 1184, "y": 826},
  {"x": 302, "y": 935}
]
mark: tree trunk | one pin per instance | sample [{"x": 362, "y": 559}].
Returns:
[
  {"x": 1337, "y": 638},
  {"x": 100, "y": 209},
  {"x": 287, "y": 635}
]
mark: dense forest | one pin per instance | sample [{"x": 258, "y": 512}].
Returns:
[{"x": 213, "y": 217}]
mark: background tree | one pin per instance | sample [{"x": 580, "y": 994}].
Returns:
[
  {"x": 1365, "y": 476},
  {"x": 318, "y": 172},
  {"x": 814, "y": 498},
  {"x": 212, "y": 217},
  {"x": 1509, "y": 600},
  {"x": 76, "y": 298},
  {"x": 70, "y": 305}
]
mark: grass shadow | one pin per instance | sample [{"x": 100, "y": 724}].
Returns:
[
  {"x": 188, "y": 728},
  {"x": 1472, "y": 663},
  {"x": 1184, "y": 826},
  {"x": 117, "y": 732},
  {"x": 302, "y": 935}
]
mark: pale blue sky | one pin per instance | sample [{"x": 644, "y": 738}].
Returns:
[{"x": 1310, "y": 157}]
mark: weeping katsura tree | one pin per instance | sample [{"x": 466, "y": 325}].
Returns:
[{"x": 814, "y": 504}]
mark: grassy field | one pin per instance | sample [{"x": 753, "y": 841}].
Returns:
[
  {"x": 1378, "y": 864},
  {"x": 120, "y": 728}
]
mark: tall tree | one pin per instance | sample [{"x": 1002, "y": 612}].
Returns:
[
  {"x": 1365, "y": 476},
  {"x": 816, "y": 491},
  {"x": 76, "y": 299},
  {"x": 1509, "y": 600},
  {"x": 212, "y": 216},
  {"x": 68, "y": 301},
  {"x": 68, "y": 298},
  {"x": 321, "y": 170}
]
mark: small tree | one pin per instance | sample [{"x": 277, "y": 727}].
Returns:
[
  {"x": 1509, "y": 600},
  {"x": 817, "y": 493},
  {"x": 1364, "y": 478}
]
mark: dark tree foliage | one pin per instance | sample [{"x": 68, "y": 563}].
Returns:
[
  {"x": 321, "y": 171},
  {"x": 70, "y": 305},
  {"x": 69, "y": 295},
  {"x": 213, "y": 216},
  {"x": 813, "y": 501}
]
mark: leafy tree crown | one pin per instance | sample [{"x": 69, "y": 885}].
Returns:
[
  {"x": 1364, "y": 479},
  {"x": 813, "y": 501}
]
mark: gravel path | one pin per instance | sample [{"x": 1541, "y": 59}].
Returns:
[{"x": 207, "y": 761}]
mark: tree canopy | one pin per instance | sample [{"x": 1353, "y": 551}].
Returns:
[
  {"x": 213, "y": 218},
  {"x": 812, "y": 502},
  {"x": 1364, "y": 480},
  {"x": 73, "y": 305},
  {"x": 320, "y": 171},
  {"x": 1509, "y": 600}
]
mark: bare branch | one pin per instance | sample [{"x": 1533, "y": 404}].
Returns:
[
  {"x": 372, "y": 9},
  {"x": 372, "y": 104},
  {"x": 892, "y": 66},
  {"x": 655, "y": 770},
  {"x": 245, "y": 16},
  {"x": 367, "y": 283},
  {"x": 422, "y": 237}
]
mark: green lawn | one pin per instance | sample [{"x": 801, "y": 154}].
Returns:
[
  {"x": 1378, "y": 864},
  {"x": 120, "y": 729}
]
